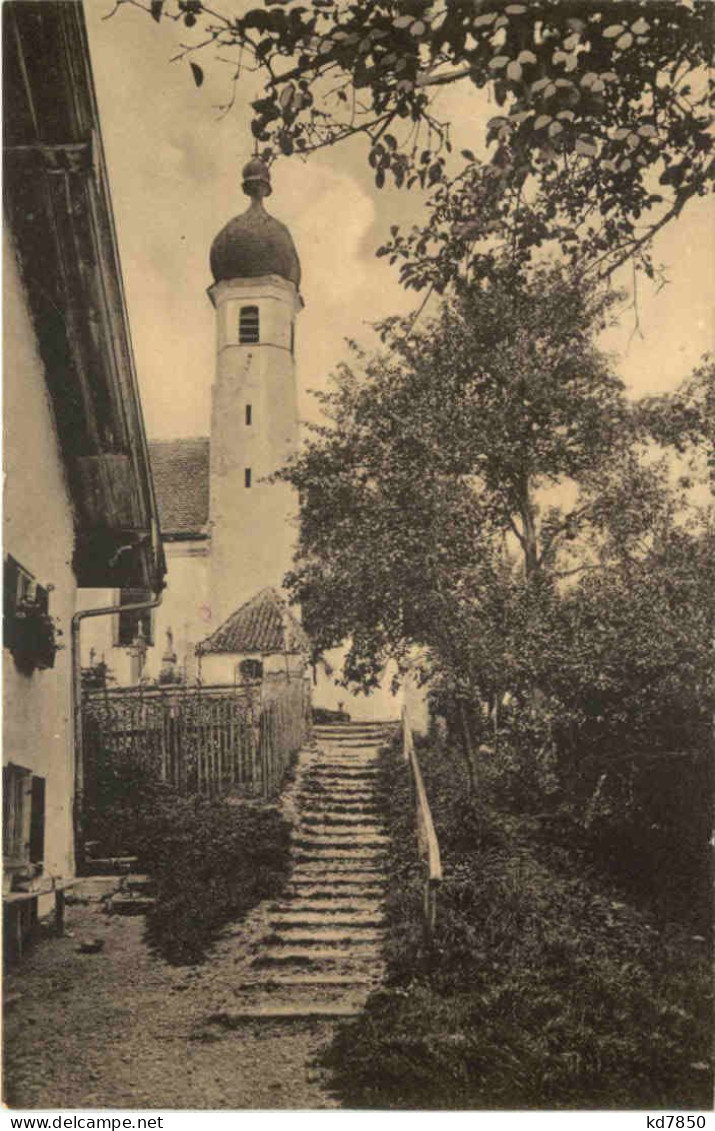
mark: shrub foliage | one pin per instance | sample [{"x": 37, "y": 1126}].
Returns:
[
  {"x": 544, "y": 988},
  {"x": 210, "y": 859}
]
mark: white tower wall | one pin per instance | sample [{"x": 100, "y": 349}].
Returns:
[{"x": 254, "y": 429}]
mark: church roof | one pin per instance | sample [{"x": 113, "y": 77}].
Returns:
[
  {"x": 254, "y": 244},
  {"x": 264, "y": 624},
  {"x": 181, "y": 482}
]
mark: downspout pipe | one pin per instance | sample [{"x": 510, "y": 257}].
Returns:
[{"x": 76, "y": 695}]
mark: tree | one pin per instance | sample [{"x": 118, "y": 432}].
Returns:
[
  {"x": 422, "y": 524},
  {"x": 602, "y": 135}
]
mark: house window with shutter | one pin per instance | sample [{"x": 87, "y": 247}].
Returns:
[
  {"x": 23, "y": 817},
  {"x": 136, "y": 623},
  {"x": 248, "y": 326}
]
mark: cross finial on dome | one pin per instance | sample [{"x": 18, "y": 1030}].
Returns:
[{"x": 256, "y": 179}]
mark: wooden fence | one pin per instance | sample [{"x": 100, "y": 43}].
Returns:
[{"x": 207, "y": 740}]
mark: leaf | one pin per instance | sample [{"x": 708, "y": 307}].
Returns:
[
  {"x": 555, "y": 129},
  {"x": 485, "y": 20},
  {"x": 404, "y": 22},
  {"x": 625, "y": 41},
  {"x": 647, "y": 131},
  {"x": 197, "y": 73},
  {"x": 514, "y": 71},
  {"x": 498, "y": 62},
  {"x": 526, "y": 57},
  {"x": 515, "y": 9},
  {"x": 155, "y": 9},
  {"x": 468, "y": 155},
  {"x": 613, "y": 31},
  {"x": 286, "y": 96},
  {"x": 640, "y": 27},
  {"x": 586, "y": 147},
  {"x": 418, "y": 28},
  {"x": 542, "y": 121}
]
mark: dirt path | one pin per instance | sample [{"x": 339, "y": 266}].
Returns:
[{"x": 122, "y": 1028}]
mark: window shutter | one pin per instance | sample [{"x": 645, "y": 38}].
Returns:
[
  {"x": 11, "y": 577},
  {"x": 37, "y": 820}
]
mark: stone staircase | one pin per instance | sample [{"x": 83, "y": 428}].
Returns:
[{"x": 321, "y": 954}]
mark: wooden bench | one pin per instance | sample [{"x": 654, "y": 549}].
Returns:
[{"x": 14, "y": 901}]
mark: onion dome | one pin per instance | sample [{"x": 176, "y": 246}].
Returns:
[{"x": 255, "y": 243}]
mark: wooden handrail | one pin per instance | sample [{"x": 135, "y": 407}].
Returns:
[{"x": 427, "y": 842}]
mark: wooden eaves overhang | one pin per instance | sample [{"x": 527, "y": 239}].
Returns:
[{"x": 58, "y": 207}]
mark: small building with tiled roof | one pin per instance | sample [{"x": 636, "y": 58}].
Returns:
[{"x": 261, "y": 638}]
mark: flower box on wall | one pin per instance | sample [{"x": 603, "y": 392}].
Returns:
[{"x": 29, "y": 631}]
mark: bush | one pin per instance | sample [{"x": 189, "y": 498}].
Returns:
[
  {"x": 544, "y": 990},
  {"x": 210, "y": 860}
]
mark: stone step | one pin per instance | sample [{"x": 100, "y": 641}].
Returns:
[
  {"x": 368, "y": 742},
  {"x": 312, "y": 871},
  {"x": 313, "y": 957},
  {"x": 289, "y": 1011},
  {"x": 326, "y": 981},
  {"x": 348, "y": 804},
  {"x": 336, "y": 906},
  {"x": 350, "y": 773},
  {"x": 321, "y": 838},
  {"x": 328, "y": 818},
  {"x": 342, "y": 849},
  {"x": 125, "y": 904},
  {"x": 316, "y": 783},
  {"x": 311, "y": 889},
  {"x": 338, "y": 859},
  {"x": 110, "y": 865},
  {"x": 326, "y": 919},
  {"x": 345, "y": 763},
  {"x": 355, "y": 834},
  {"x": 352, "y": 800},
  {"x": 345, "y": 937},
  {"x": 353, "y": 822},
  {"x": 355, "y": 727},
  {"x": 354, "y": 747},
  {"x": 340, "y": 753}
]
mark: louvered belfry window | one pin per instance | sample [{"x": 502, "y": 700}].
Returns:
[{"x": 249, "y": 326}]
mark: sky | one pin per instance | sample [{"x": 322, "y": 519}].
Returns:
[{"x": 175, "y": 165}]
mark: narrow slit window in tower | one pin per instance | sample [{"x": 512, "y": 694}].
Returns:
[
  {"x": 249, "y": 414},
  {"x": 292, "y": 337},
  {"x": 247, "y": 477},
  {"x": 248, "y": 326}
]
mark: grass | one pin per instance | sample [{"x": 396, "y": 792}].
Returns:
[{"x": 545, "y": 989}]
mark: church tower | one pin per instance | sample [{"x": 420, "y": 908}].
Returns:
[{"x": 254, "y": 418}]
